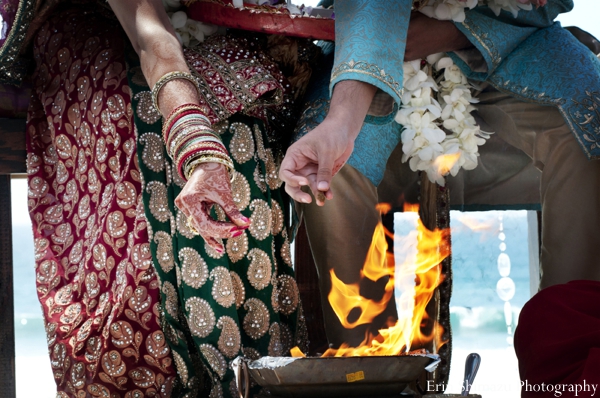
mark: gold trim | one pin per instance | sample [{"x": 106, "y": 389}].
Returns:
[
  {"x": 12, "y": 69},
  {"x": 492, "y": 52},
  {"x": 371, "y": 70}
]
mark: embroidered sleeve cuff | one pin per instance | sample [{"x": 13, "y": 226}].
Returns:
[{"x": 385, "y": 103}]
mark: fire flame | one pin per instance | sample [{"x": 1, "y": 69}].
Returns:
[{"x": 418, "y": 276}]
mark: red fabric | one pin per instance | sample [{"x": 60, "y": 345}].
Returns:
[
  {"x": 257, "y": 19},
  {"x": 558, "y": 339},
  {"x": 95, "y": 279}
]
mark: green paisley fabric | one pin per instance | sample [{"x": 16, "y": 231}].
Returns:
[{"x": 217, "y": 307}]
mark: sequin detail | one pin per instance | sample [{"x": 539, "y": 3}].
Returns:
[
  {"x": 145, "y": 109},
  {"x": 242, "y": 143},
  {"x": 259, "y": 270},
  {"x": 230, "y": 339},
  {"x": 260, "y": 220},
  {"x": 158, "y": 203},
  {"x": 153, "y": 155},
  {"x": 289, "y": 295},
  {"x": 214, "y": 358},
  {"x": 164, "y": 251},
  {"x": 276, "y": 218},
  {"x": 256, "y": 321},
  {"x": 238, "y": 289},
  {"x": 222, "y": 288},
  {"x": 240, "y": 191},
  {"x": 201, "y": 317},
  {"x": 237, "y": 247},
  {"x": 194, "y": 270}
]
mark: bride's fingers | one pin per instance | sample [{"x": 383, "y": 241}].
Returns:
[{"x": 207, "y": 227}]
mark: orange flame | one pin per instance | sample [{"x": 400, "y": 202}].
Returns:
[
  {"x": 418, "y": 277},
  {"x": 444, "y": 163}
]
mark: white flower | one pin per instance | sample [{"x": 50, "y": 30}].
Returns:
[
  {"x": 512, "y": 6},
  {"x": 178, "y": 19}
]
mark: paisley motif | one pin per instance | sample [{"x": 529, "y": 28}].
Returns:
[
  {"x": 276, "y": 218},
  {"x": 201, "y": 318},
  {"x": 260, "y": 269},
  {"x": 240, "y": 190},
  {"x": 241, "y": 145},
  {"x": 222, "y": 288},
  {"x": 238, "y": 289},
  {"x": 274, "y": 293},
  {"x": 182, "y": 226},
  {"x": 230, "y": 339},
  {"x": 159, "y": 202},
  {"x": 182, "y": 369},
  {"x": 194, "y": 270},
  {"x": 286, "y": 252},
  {"x": 145, "y": 109},
  {"x": 211, "y": 252},
  {"x": 164, "y": 251},
  {"x": 260, "y": 220},
  {"x": 171, "y": 300},
  {"x": 251, "y": 353},
  {"x": 256, "y": 321},
  {"x": 259, "y": 179},
  {"x": 272, "y": 172},
  {"x": 237, "y": 247},
  {"x": 289, "y": 295},
  {"x": 153, "y": 154},
  {"x": 275, "y": 346},
  {"x": 214, "y": 358}
]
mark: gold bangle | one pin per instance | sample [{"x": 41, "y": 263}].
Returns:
[
  {"x": 167, "y": 77},
  {"x": 190, "y": 133},
  {"x": 184, "y": 152},
  {"x": 208, "y": 159}
]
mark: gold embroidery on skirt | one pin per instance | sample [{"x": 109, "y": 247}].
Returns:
[
  {"x": 259, "y": 270},
  {"x": 260, "y": 219},
  {"x": 153, "y": 154},
  {"x": 238, "y": 289},
  {"x": 256, "y": 321},
  {"x": 194, "y": 270},
  {"x": 237, "y": 247},
  {"x": 159, "y": 202},
  {"x": 288, "y": 294},
  {"x": 230, "y": 338},
  {"x": 214, "y": 359},
  {"x": 181, "y": 368},
  {"x": 145, "y": 108},
  {"x": 171, "y": 300},
  {"x": 211, "y": 252},
  {"x": 222, "y": 288},
  {"x": 240, "y": 190},
  {"x": 164, "y": 251},
  {"x": 201, "y": 317},
  {"x": 241, "y": 145},
  {"x": 276, "y": 218},
  {"x": 275, "y": 347}
]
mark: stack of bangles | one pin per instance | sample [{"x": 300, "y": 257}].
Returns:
[{"x": 188, "y": 136}]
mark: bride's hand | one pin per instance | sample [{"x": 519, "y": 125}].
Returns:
[{"x": 209, "y": 184}]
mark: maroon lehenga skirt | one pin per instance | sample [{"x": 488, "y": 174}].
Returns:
[{"x": 95, "y": 279}]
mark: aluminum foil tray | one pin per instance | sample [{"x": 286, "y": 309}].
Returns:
[{"x": 339, "y": 377}]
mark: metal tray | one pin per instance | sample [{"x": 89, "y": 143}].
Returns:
[{"x": 341, "y": 377}]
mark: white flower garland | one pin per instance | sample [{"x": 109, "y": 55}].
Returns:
[{"x": 425, "y": 145}]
